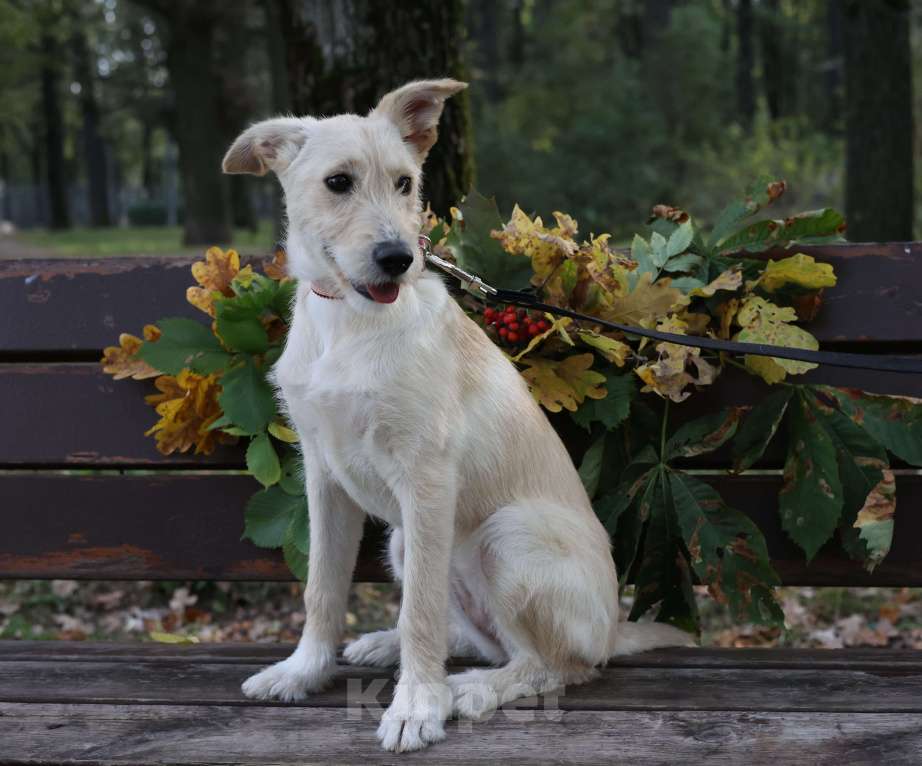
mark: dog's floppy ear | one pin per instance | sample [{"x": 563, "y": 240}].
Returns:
[
  {"x": 415, "y": 110},
  {"x": 268, "y": 145}
]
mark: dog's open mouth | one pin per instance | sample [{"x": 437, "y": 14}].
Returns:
[{"x": 383, "y": 293}]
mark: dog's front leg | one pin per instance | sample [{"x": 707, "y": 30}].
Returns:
[
  {"x": 422, "y": 700},
  {"x": 335, "y": 532}
]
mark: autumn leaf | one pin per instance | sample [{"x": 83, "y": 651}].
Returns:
[
  {"x": 800, "y": 270},
  {"x": 214, "y": 274},
  {"x": 202, "y": 299},
  {"x": 277, "y": 269},
  {"x": 122, "y": 361},
  {"x": 547, "y": 248},
  {"x": 557, "y": 325},
  {"x": 217, "y": 270},
  {"x": 874, "y": 523},
  {"x": 612, "y": 350},
  {"x": 726, "y": 550},
  {"x": 669, "y": 213},
  {"x": 599, "y": 267},
  {"x": 894, "y": 422},
  {"x": 676, "y": 367},
  {"x": 811, "y": 499},
  {"x": 472, "y": 243},
  {"x": 764, "y": 322},
  {"x": 187, "y": 405},
  {"x": 646, "y": 303},
  {"x": 563, "y": 384},
  {"x": 730, "y": 280}
]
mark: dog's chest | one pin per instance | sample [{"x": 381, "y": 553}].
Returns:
[{"x": 348, "y": 438}]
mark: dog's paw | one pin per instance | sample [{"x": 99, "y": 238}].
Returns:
[
  {"x": 380, "y": 649},
  {"x": 472, "y": 696},
  {"x": 416, "y": 717},
  {"x": 289, "y": 680}
]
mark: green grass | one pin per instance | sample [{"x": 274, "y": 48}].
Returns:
[{"x": 135, "y": 240}]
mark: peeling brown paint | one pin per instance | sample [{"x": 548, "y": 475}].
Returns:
[{"x": 101, "y": 562}]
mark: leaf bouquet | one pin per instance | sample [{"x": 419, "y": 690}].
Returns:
[{"x": 608, "y": 393}]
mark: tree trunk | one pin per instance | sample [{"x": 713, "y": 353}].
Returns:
[
  {"x": 94, "y": 150},
  {"x": 199, "y": 130},
  {"x": 59, "y": 217},
  {"x": 38, "y": 177},
  {"x": 745, "y": 96},
  {"x": 276, "y": 15},
  {"x": 879, "y": 127},
  {"x": 342, "y": 57},
  {"x": 237, "y": 106},
  {"x": 832, "y": 80},
  {"x": 148, "y": 171},
  {"x": 773, "y": 58},
  {"x": 6, "y": 211},
  {"x": 483, "y": 16}
]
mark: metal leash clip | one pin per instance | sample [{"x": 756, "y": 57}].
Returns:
[{"x": 470, "y": 282}]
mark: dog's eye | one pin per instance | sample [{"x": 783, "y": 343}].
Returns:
[
  {"x": 339, "y": 184},
  {"x": 404, "y": 185}
]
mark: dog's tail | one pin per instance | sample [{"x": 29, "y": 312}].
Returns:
[{"x": 633, "y": 637}]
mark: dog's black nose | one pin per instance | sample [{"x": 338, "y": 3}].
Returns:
[{"x": 392, "y": 257}]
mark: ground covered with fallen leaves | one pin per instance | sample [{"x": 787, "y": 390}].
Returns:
[{"x": 143, "y": 611}]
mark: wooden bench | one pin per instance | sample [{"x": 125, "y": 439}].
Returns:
[{"x": 84, "y": 494}]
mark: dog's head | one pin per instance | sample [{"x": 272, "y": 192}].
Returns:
[{"x": 352, "y": 189}]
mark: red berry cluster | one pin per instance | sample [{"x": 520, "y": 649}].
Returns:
[{"x": 514, "y": 327}]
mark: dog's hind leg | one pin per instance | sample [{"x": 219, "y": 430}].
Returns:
[
  {"x": 549, "y": 586},
  {"x": 479, "y": 691},
  {"x": 381, "y": 648}
]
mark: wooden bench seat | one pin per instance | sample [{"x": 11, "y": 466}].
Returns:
[
  {"x": 134, "y": 704},
  {"x": 84, "y": 494}
]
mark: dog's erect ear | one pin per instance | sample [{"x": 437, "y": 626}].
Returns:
[
  {"x": 415, "y": 110},
  {"x": 268, "y": 145}
]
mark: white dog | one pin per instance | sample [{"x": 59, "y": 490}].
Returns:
[{"x": 408, "y": 412}]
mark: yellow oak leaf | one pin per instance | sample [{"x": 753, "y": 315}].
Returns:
[
  {"x": 547, "y": 248},
  {"x": 187, "y": 405},
  {"x": 602, "y": 268},
  {"x": 800, "y": 270},
  {"x": 245, "y": 276},
  {"x": 764, "y": 322},
  {"x": 122, "y": 361},
  {"x": 646, "y": 303},
  {"x": 277, "y": 268},
  {"x": 566, "y": 224},
  {"x": 214, "y": 274},
  {"x": 217, "y": 270},
  {"x": 613, "y": 350},
  {"x": 672, "y": 372},
  {"x": 565, "y": 383},
  {"x": 558, "y": 325},
  {"x": 731, "y": 279},
  {"x": 202, "y": 299}
]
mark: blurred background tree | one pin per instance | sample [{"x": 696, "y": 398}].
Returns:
[{"x": 115, "y": 113}]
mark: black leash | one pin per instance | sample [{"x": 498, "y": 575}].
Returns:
[{"x": 487, "y": 293}]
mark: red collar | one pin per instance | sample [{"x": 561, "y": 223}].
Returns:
[{"x": 324, "y": 295}]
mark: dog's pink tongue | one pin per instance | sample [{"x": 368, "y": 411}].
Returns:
[{"x": 386, "y": 293}]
